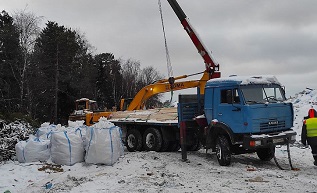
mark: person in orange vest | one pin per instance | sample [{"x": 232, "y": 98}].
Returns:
[{"x": 309, "y": 132}]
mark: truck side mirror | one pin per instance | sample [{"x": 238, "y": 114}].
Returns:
[
  {"x": 283, "y": 90},
  {"x": 236, "y": 99}
]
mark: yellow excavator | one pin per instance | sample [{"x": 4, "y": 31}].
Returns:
[{"x": 162, "y": 86}]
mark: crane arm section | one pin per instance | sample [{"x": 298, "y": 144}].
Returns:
[{"x": 211, "y": 66}]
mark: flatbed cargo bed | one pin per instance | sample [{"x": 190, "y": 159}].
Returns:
[{"x": 154, "y": 116}]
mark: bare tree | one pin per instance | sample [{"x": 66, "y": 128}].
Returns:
[
  {"x": 149, "y": 75},
  {"x": 135, "y": 78},
  {"x": 130, "y": 74},
  {"x": 27, "y": 24}
]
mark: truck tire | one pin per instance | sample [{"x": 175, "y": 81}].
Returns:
[
  {"x": 134, "y": 140},
  {"x": 223, "y": 151},
  {"x": 266, "y": 154},
  {"x": 152, "y": 140}
]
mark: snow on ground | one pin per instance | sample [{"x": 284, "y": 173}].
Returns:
[{"x": 165, "y": 172}]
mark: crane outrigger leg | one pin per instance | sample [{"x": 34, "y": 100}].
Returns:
[{"x": 289, "y": 160}]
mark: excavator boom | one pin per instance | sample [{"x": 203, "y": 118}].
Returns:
[{"x": 163, "y": 86}]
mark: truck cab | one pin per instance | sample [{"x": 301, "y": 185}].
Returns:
[
  {"x": 254, "y": 105},
  {"x": 241, "y": 114}
]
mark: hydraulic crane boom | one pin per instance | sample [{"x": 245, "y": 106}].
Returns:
[
  {"x": 211, "y": 71},
  {"x": 211, "y": 66}
]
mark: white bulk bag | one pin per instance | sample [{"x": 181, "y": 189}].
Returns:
[
  {"x": 82, "y": 132},
  {"x": 32, "y": 150},
  {"x": 44, "y": 131},
  {"x": 66, "y": 148},
  {"x": 104, "y": 145}
]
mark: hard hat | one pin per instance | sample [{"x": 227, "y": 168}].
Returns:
[{"x": 312, "y": 113}]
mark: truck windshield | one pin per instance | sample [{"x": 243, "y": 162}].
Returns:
[{"x": 262, "y": 94}]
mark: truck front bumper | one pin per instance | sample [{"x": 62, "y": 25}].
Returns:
[{"x": 265, "y": 140}]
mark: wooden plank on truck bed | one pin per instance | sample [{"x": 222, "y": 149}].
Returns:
[{"x": 149, "y": 115}]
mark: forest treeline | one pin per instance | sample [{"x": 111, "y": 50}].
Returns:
[{"x": 43, "y": 71}]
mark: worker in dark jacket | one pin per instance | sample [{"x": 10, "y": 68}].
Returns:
[{"x": 309, "y": 132}]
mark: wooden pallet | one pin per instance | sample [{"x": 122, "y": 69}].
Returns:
[{"x": 158, "y": 114}]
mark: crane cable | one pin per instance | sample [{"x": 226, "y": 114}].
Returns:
[{"x": 168, "y": 59}]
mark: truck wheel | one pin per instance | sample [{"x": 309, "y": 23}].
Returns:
[
  {"x": 134, "y": 140},
  {"x": 223, "y": 151},
  {"x": 266, "y": 154},
  {"x": 152, "y": 140}
]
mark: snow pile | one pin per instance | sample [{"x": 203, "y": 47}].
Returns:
[
  {"x": 10, "y": 135},
  {"x": 302, "y": 102}
]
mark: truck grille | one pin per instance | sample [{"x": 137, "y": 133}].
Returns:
[{"x": 272, "y": 125}]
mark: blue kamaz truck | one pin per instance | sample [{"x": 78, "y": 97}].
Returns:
[
  {"x": 234, "y": 115},
  {"x": 237, "y": 115}
]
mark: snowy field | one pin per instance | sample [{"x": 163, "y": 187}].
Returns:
[{"x": 165, "y": 172}]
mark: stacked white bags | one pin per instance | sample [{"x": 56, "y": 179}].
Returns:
[{"x": 66, "y": 146}]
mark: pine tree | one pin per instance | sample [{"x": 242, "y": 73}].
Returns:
[
  {"x": 55, "y": 51},
  {"x": 107, "y": 80},
  {"x": 10, "y": 59}
]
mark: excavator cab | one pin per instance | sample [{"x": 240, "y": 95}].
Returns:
[
  {"x": 81, "y": 105},
  {"x": 86, "y": 104}
]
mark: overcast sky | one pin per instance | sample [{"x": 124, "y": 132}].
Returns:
[{"x": 247, "y": 37}]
